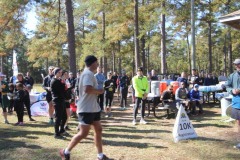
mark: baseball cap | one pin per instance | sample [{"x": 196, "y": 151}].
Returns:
[
  {"x": 196, "y": 85},
  {"x": 236, "y": 61},
  {"x": 140, "y": 69}
]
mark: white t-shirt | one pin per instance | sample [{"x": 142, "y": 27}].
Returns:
[{"x": 87, "y": 103}]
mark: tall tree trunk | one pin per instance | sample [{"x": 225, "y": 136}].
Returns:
[
  {"x": 113, "y": 59},
  {"x": 230, "y": 68},
  {"x": 136, "y": 34},
  {"x": 143, "y": 52},
  {"x": 210, "y": 47},
  {"x": 83, "y": 27},
  {"x": 193, "y": 45},
  {"x": 119, "y": 59},
  {"x": 71, "y": 36},
  {"x": 163, "y": 43},
  {"x": 189, "y": 55},
  {"x": 143, "y": 41},
  {"x": 1, "y": 69},
  {"x": 103, "y": 40},
  {"x": 225, "y": 54}
]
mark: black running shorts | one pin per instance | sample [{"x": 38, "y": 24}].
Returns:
[{"x": 89, "y": 118}]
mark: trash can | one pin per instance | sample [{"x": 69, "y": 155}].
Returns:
[
  {"x": 225, "y": 103},
  {"x": 155, "y": 87}
]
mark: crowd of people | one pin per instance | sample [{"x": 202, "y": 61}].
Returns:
[
  {"x": 90, "y": 89},
  {"x": 15, "y": 95}
]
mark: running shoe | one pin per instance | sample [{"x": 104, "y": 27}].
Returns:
[{"x": 63, "y": 155}]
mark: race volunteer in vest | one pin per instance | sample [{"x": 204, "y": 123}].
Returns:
[{"x": 140, "y": 85}]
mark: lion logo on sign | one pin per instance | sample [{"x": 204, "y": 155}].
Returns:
[{"x": 183, "y": 115}]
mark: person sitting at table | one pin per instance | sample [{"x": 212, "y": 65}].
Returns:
[
  {"x": 195, "y": 100},
  {"x": 181, "y": 97},
  {"x": 168, "y": 98}
]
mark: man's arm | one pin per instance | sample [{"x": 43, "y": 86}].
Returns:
[{"x": 91, "y": 90}]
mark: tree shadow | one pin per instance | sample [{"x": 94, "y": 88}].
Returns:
[
  {"x": 131, "y": 144},
  {"x": 7, "y": 144}
]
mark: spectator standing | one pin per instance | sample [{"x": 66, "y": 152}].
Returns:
[
  {"x": 10, "y": 97},
  {"x": 194, "y": 78},
  {"x": 19, "y": 103},
  {"x": 88, "y": 110},
  {"x": 46, "y": 86},
  {"x": 208, "y": 81},
  {"x": 215, "y": 79},
  {"x": 67, "y": 95},
  {"x": 100, "y": 80},
  {"x": 72, "y": 80},
  {"x": 109, "y": 91},
  {"x": 58, "y": 100},
  {"x": 114, "y": 78},
  {"x": 169, "y": 80},
  {"x": 4, "y": 100},
  {"x": 154, "y": 77},
  {"x": 118, "y": 86},
  {"x": 183, "y": 78},
  {"x": 140, "y": 84},
  {"x": 29, "y": 80},
  {"x": 233, "y": 87},
  {"x": 222, "y": 77},
  {"x": 201, "y": 79},
  {"x": 26, "y": 100},
  {"x": 76, "y": 91},
  {"x": 124, "y": 82},
  {"x": 20, "y": 79}
]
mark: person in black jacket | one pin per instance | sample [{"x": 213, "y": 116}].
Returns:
[
  {"x": 29, "y": 80},
  {"x": 18, "y": 103},
  {"x": 58, "y": 100},
  {"x": 26, "y": 100},
  {"x": 46, "y": 86},
  {"x": 67, "y": 95},
  {"x": 109, "y": 91},
  {"x": 124, "y": 82}
]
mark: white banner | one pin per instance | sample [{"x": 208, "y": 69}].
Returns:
[
  {"x": 39, "y": 108},
  {"x": 14, "y": 67},
  {"x": 183, "y": 128}
]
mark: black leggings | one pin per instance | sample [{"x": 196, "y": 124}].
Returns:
[
  {"x": 137, "y": 104},
  {"x": 124, "y": 93},
  {"x": 60, "y": 116},
  {"x": 108, "y": 100},
  {"x": 11, "y": 103},
  {"x": 27, "y": 105},
  {"x": 100, "y": 100},
  {"x": 20, "y": 112}
]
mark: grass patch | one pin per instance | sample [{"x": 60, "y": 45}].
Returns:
[{"x": 122, "y": 140}]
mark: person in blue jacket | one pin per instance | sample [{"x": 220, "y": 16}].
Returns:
[
  {"x": 233, "y": 87},
  {"x": 195, "y": 100}
]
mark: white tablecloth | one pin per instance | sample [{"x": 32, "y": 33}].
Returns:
[{"x": 34, "y": 97}]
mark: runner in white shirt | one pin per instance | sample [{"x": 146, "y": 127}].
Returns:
[{"x": 88, "y": 110}]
